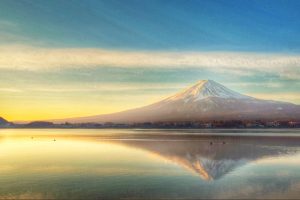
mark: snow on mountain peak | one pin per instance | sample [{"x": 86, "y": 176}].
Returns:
[{"x": 206, "y": 88}]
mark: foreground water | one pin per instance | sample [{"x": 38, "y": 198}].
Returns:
[{"x": 149, "y": 164}]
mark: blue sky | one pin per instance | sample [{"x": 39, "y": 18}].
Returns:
[
  {"x": 263, "y": 25},
  {"x": 114, "y": 55}
]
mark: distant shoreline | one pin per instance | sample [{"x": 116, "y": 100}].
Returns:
[
  {"x": 215, "y": 124},
  {"x": 158, "y": 128}
]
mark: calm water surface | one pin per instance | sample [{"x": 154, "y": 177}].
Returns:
[{"x": 149, "y": 164}]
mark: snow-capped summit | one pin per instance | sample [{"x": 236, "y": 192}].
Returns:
[
  {"x": 206, "y": 88},
  {"x": 204, "y": 101}
]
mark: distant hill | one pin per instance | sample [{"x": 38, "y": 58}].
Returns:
[
  {"x": 207, "y": 100},
  {"x": 38, "y": 124},
  {"x": 3, "y": 121}
]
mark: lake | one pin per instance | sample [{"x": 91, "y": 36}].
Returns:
[{"x": 149, "y": 164}]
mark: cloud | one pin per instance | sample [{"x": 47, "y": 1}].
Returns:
[
  {"x": 98, "y": 87},
  {"x": 279, "y": 96},
  {"x": 143, "y": 87},
  {"x": 10, "y": 34},
  {"x": 32, "y": 58},
  {"x": 14, "y": 90},
  {"x": 258, "y": 84}
]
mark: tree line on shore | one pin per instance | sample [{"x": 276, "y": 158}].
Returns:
[{"x": 194, "y": 124}]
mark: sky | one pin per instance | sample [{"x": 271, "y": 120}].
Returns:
[{"x": 78, "y": 58}]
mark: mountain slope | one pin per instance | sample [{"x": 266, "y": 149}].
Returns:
[{"x": 206, "y": 100}]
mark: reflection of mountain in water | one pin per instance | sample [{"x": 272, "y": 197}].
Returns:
[{"x": 214, "y": 158}]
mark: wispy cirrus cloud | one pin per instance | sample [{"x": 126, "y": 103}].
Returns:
[
  {"x": 279, "y": 96},
  {"x": 142, "y": 89},
  {"x": 10, "y": 90},
  {"x": 258, "y": 84},
  {"x": 12, "y": 37},
  {"x": 33, "y": 58},
  {"x": 99, "y": 87}
]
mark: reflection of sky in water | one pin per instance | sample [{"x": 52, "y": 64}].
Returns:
[{"x": 93, "y": 167}]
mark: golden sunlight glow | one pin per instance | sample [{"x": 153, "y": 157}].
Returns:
[
  {"x": 61, "y": 156},
  {"x": 31, "y": 109}
]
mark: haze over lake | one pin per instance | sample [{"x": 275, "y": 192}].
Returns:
[{"x": 143, "y": 164}]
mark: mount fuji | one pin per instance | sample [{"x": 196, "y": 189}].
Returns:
[{"x": 206, "y": 100}]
